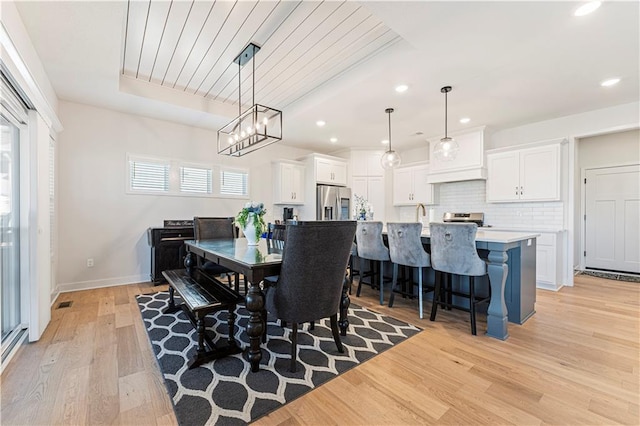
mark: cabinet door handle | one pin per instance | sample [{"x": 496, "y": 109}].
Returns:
[
  {"x": 516, "y": 190},
  {"x": 521, "y": 190}
]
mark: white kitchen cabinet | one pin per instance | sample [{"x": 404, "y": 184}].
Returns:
[
  {"x": 531, "y": 174},
  {"x": 410, "y": 186},
  {"x": 366, "y": 163},
  {"x": 548, "y": 263},
  {"x": 288, "y": 180},
  {"x": 331, "y": 172},
  {"x": 372, "y": 189}
]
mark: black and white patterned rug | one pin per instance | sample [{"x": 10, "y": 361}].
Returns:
[{"x": 225, "y": 391}]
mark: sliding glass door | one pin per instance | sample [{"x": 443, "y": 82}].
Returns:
[{"x": 9, "y": 230}]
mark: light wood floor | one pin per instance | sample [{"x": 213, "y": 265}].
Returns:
[{"x": 576, "y": 361}]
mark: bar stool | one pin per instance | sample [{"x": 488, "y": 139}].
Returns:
[
  {"x": 371, "y": 247},
  {"x": 352, "y": 271},
  {"x": 453, "y": 251},
  {"x": 405, "y": 248}
]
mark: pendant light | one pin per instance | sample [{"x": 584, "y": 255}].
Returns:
[
  {"x": 255, "y": 128},
  {"x": 447, "y": 149},
  {"x": 390, "y": 159}
]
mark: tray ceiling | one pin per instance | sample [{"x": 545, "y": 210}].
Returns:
[{"x": 190, "y": 46}]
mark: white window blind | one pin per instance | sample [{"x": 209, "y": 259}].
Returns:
[
  {"x": 148, "y": 175},
  {"x": 233, "y": 182},
  {"x": 196, "y": 179}
]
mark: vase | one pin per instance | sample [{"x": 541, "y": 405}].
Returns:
[
  {"x": 363, "y": 216},
  {"x": 249, "y": 230}
]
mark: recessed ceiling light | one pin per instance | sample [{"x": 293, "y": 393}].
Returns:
[
  {"x": 610, "y": 82},
  {"x": 465, "y": 120},
  {"x": 333, "y": 140},
  {"x": 587, "y": 8},
  {"x": 401, "y": 88},
  {"x": 320, "y": 123}
]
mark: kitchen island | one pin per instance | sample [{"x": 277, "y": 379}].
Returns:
[{"x": 511, "y": 267}]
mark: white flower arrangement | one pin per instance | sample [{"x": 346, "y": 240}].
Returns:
[{"x": 362, "y": 209}]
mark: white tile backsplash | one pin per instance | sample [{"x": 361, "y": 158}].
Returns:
[{"x": 469, "y": 196}]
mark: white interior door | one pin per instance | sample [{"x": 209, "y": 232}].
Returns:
[{"x": 612, "y": 223}]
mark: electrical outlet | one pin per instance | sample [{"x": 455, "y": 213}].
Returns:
[{"x": 90, "y": 263}]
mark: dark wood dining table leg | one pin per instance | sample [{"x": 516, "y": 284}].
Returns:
[
  {"x": 344, "y": 308},
  {"x": 256, "y": 326}
]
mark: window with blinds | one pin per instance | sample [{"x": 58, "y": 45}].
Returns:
[
  {"x": 234, "y": 182},
  {"x": 173, "y": 177},
  {"x": 148, "y": 175},
  {"x": 196, "y": 179}
]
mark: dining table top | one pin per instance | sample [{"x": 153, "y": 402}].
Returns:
[{"x": 266, "y": 252}]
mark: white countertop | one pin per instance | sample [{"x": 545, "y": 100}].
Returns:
[{"x": 496, "y": 236}]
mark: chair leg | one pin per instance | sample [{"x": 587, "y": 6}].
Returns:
[
  {"x": 236, "y": 282},
  {"x": 436, "y": 296},
  {"x": 420, "y": 291},
  {"x": 381, "y": 283},
  {"x": 360, "y": 279},
  {"x": 372, "y": 267},
  {"x": 336, "y": 332},
  {"x": 294, "y": 346},
  {"x": 350, "y": 272},
  {"x": 472, "y": 305},
  {"x": 393, "y": 283},
  {"x": 449, "y": 291},
  {"x": 312, "y": 325}
]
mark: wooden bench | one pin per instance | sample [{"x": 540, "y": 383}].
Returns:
[{"x": 202, "y": 294}]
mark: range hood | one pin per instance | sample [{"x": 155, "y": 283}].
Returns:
[{"x": 469, "y": 163}]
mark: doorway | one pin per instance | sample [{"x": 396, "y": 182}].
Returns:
[
  {"x": 612, "y": 219},
  {"x": 10, "y": 283}
]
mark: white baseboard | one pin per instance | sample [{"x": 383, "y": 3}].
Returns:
[
  {"x": 548, "y": 286},
  {"x": 54, "y": 296},
  {"x": 108, "y": 282}
]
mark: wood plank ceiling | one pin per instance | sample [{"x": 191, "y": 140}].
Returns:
[{"x": 190, "y": 46}]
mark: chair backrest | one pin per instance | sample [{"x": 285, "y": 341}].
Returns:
[
  {"x": 209, "y": 228},
  {"x": 369, "y": 241},
  {"x": 276, "y": 231},
  {"x": 314, "y": 263},
  {"x": 453, "y": 249},
  {"x": 405, "y": 246},
  {"x": 275, "y": 236}
]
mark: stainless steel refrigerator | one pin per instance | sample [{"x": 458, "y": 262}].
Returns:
[{"x": 333, "y": 203}]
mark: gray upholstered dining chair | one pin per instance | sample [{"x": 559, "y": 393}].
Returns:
[
  {"x": 210, "y": 228},
  {"x": 453, "y": 252},
  {"x": 309, "y": 287},
  {"x": 405, "y": 248},
  {"x": 371, "y": 247}
]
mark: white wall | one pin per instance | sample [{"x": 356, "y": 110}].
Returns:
[
  {"x": 98, "y": 220},
  {"x": 609, "y": 150},
  {"x": 614, "y": 149},
  {"x": 620, "y": 117}
]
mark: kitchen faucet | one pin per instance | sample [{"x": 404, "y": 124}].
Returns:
[{"x": 424, "y": 211}]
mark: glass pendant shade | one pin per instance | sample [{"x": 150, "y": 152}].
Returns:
[
  {"x": 390, "y": 159},
  {"x": 446, "y": 149}
]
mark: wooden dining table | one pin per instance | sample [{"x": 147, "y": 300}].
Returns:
[{"x": 255, "y": 263}]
